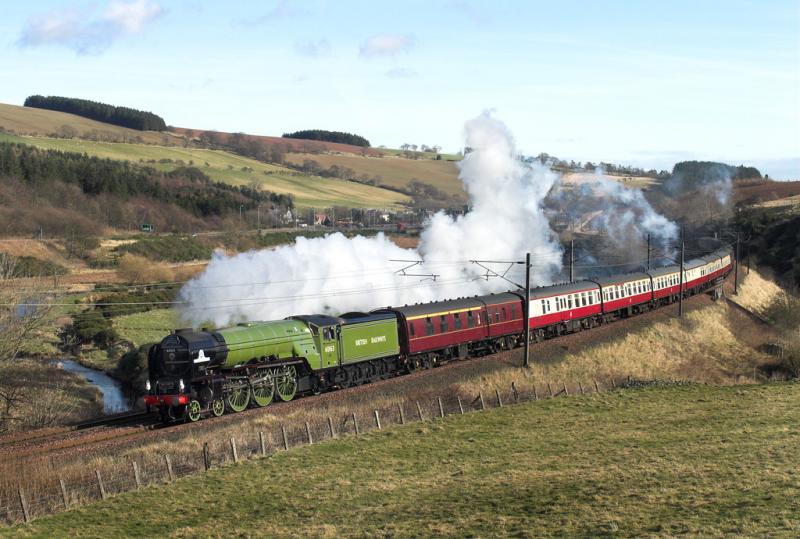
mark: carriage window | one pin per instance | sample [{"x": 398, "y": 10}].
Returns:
[
  {"x": 513, "y": 312},
  {"x": 457, "y": 323},
  {"x": 411, "y": 328},
  {"x": 569, "y": 302},
  {"x": 443, "y": 323},
  {"x": 544, "y": 306},
  {"x": 504, "y": 314},
  {"x": 590, "y": 298},
  {"x": 470, "y": 320},
  {"x": 584, "y": 301},
  {"x": 496, "y": 315},
  {"x": 428, "y": 326}
]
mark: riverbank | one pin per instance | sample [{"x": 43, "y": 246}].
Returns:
[
  {"x": 112, "y": 394},
  {"x": 39, "y": 395}
]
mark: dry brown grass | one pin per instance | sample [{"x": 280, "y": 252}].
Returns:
[
  {"x": 757, "y": 292},
  {"x": 702, "y": 347},
  {"x": 140, "y": 270}
]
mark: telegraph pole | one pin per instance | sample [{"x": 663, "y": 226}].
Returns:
[
  {"x": 648, "y": 252},
  {"x": 526, "y": 310},
  {"x": 571, "y": 260},
  {"x": 680, "y": 291},
  {"x": 736, "y": 268}
]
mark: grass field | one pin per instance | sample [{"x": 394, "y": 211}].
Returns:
[
  {"x": 393, "y": 171},
  {"x": 679, "y": 460},
  {"x": 308, "y": 191},
  {"x": 147, "y": 327},
  {"x": 33, "y": 121}
]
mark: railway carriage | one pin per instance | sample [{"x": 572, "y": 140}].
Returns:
[
  {"x": 624, "y": 295},
  {"x": 666, "y": 283},
  {"x": 563, "y": 308}
]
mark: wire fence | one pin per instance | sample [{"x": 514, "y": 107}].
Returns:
[{"x": 25, "y": 503}]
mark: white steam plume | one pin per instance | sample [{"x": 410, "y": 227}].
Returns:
[
  {"x": 628, "y": 217},
  {"x": 335, "y": 274}
]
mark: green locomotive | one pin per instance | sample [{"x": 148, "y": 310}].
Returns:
[{"x": 208, "y": 372}]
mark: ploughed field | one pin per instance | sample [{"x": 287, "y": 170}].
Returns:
[{"x": 663, "y": 460}]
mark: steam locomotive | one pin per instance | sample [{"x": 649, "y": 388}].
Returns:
[{"x": 193, "y": 374}]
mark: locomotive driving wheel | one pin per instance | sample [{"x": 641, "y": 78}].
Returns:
[
  {"x": 217, "y": 407},
  {"x": 286, "y": 385},
  {"x": 263, "y": 390},
  {"x": 193, "y": 411},
  {"x": 238, "y": 398}
]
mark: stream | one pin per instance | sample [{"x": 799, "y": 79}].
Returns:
[{"x": 113, "y": 397}]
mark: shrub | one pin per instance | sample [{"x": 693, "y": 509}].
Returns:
[
  {"x": 139, "y": 270},
  {"x": 91, "y": 326},
  {"x": 132, "y": 366}
]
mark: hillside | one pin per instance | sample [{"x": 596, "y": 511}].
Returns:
[
  {"x": 665, "y": 460},
  {"x": 308, "y": 191},
  {"x": 40, "y": 122}
]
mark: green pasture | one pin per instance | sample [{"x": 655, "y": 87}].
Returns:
[{"x": 696, "y": 461}]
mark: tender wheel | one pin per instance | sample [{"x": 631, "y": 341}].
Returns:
[
  {"x": 286, "y": 382},
  {"x": 238, "y": 398},
  {"x": 263, "y": 391},
  {"x": 217, "y": 407},
  {"x": 193, "y": 411}
]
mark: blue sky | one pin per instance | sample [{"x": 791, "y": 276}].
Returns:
[{"x": 644, "y": 83}]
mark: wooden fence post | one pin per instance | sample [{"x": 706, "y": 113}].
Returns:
[
  {"x": 355, "y": 423},
  {"x": 549, "y": 390},
  {"x": 535, "y": 396},
  {"x": 402, "y": 414},
  {"x": 499, "y": 400},
  {"x": 24, "y": 503},
  {"x": 441, "y": 408},
  {"x": 136, "y": 475},
  {"x": 613, "y": 384},
  {"x": 460, "y": 405},
  {"x": 285, "y": 438},
  {"x": 100, "y": 484},
  {"x": 206, "y": 457},
  {"x": 580, "y": 386},
  {"x": 480, "y": 396},
  {"x": 170, "y": 472},
  {"x": 263, "y": 443},
  {"x": 308, "y": 433},
  {"x": 596, "y": 387},
  {"x": 514, "y": 391},
  {"x": 377, "y": 420},
  {"x": 566, "y": 391},
  {"x": 233, "y": 450},
  {"x": 64, "y": 493},
  {"x": 330, "y": 426},
  {"x": 419, "y": 411}
]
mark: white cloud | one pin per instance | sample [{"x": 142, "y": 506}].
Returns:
[
  {"x": 314, "y": 49},
  {"x": 386, "y": 45},
  {"x": 131, "y": 16},
  {"x": 84, "y": 31}
]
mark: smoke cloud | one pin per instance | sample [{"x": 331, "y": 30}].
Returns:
[
  {"x": 335, "y": 274},
  {"x": 621, "y": 214}
]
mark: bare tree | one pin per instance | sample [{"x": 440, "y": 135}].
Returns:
[{"x": 24, "y": 308}]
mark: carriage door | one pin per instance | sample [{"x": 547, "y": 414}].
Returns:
[{"x": 330, "y": 349}]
